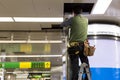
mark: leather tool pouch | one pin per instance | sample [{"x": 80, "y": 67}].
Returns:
[{"x": 88, "y": 50}]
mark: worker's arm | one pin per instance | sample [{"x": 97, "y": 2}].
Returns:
[{"x": 66, "y": 23}]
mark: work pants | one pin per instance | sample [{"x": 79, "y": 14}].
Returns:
[{"x": 74, "y": 63}]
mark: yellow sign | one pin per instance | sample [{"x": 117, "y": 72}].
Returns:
[
  {"x": 47, "y": 64},
  {"x": 25, "y": 64},
  {"x": 25, "y": 47}
]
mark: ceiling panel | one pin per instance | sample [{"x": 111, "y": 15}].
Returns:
[
  {"x": 48, "y": 8},
  {"x": 31, "y": 8},
  {"x": 17, "y": 8}
]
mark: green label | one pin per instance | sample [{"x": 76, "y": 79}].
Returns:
[{"x": 38, "y": 65}]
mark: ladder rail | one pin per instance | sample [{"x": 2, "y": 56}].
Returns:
[{"x": 83, "y": 67}]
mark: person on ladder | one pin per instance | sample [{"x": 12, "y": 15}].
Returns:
[{"x": 78, "y": 34}]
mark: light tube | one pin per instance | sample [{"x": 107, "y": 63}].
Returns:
[
  {"x": 25, "y": 41},
  {"x": 101, "y": 6},
  {"x": 1, "y": 56},
  {"x": 6, "y": 19},
  {"x": 38, "y": 19}
]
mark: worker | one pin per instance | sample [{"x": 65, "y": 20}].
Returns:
[{"x": 78, "y": 34}]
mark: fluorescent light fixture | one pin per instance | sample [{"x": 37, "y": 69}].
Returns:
[
  {"x": 6, "y": 19},
  {"x": 46, "y": 41},
  {"x": 101, "y": 6},
  {"x": 30, "y": 56},
  {"x": 25, "y": 41},
  {"x": 38, "y": 19}
]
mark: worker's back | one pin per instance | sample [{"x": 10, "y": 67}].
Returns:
[{"x": 78, "y": 29}]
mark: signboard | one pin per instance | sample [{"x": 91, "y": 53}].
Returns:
[
  {"x": 24, "y": 65},
  {"x": 47, "y": 64},
  {"x": 10, "y": 65},
  {"x": 38, "y": 65}
]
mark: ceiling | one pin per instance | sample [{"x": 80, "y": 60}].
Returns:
[{"x": 44, "y": 8}]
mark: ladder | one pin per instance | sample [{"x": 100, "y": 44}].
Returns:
[{"x": 83, "y": 67}]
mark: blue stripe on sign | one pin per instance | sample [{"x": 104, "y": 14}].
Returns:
[{"x": 105, "y": 73}]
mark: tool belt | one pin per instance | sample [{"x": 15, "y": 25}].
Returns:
[
  {"x": 74, "y": 48},
  {"x": 75, "y": 44}
]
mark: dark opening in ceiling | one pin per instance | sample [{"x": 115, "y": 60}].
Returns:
[{"x": 86, "y": 7}]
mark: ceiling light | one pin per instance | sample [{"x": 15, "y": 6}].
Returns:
[
  {"x": 38, "y": 19},
  {"x": 101, "y": 6},
  {"x": 6, "y": 19},
  {"x": 25, "y": 41},
  {"x": 31, "y": 56}
]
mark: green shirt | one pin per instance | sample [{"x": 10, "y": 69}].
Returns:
[{"x": 79, "y": 26}]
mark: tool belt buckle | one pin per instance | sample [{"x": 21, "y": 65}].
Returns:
[{"x": 74, "y": 44}]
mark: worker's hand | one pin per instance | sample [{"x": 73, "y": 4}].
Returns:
[
  {"x": 93, "y": 47},
  {"x": 87, "y": 42}
]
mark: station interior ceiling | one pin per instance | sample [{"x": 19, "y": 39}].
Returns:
[
  {"x": 44, "y": 8},
  {"x": 43, "y": 30}
]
